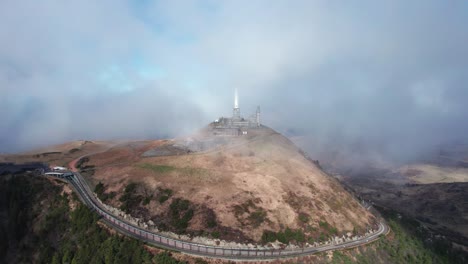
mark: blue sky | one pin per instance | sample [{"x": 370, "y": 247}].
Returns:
[{"x": 388, "y": 75}]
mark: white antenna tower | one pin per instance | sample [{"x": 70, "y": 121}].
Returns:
[
  {"x": 236, "y": 99},
  {"x": 236, "y": 110}
]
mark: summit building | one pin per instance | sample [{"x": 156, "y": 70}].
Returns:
[{"x": 236, "y": 125}]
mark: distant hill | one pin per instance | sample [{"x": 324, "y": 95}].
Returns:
[
  {"x": 59, "y": 155},
  {"x": 433, "y": 190}
]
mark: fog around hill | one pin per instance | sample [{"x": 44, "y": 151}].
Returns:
[{"x": 378, "y": 79}]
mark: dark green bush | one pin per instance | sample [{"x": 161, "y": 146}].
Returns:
[
  {"x": 303, "y": 218},
  {"x": 164, "y": 195},
  {"x": 81, "y": 162},
  {"x": 180, "y": 214},
  {"x": 147, "y": 200},
  {"x": 100, "y": 191},
  {"x": 130, "y": 200},
  {"x": 211, "y": 223},
  {"x": 215, "y": 234}
]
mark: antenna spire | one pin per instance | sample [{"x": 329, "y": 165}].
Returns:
[
  {"x": 236, "y": 110},
  {"x": 236, "y": 99}
]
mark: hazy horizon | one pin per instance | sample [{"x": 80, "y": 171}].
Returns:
[{"x": 380, "y": 79}]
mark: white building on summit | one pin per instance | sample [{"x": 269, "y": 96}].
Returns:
[{"x": 236, "y": 125}]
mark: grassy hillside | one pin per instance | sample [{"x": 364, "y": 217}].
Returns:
[
  {"x": 430, "y": 173},
  {"x": 43, "y": 223},
  {"x": 256, "y": 188}
]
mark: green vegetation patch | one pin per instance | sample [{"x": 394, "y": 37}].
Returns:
[
  {"x": 162, "y": 169},
  {"x": 164, "y": 194},
  {"x": 304, "y": 218},
  {"x": 211, "y": 221},
  {"x": 81, "y": 162},
  {"x": 157, "y": 168},
  {"x": 257, "y": 218},
  {"x": 248, "y": 213},
  {"x": 100, "y": 191},
  {"x": 180, "y": 214},
  {"x": 135, "y": 195},
  {"x": 130, "y": 199},
  {"x": 147, "y": 200},
  {"x": 88, "y": 170},
  {"x": 215, "y": 234},
  {"x": 339, "y": 257},
  {"x": 327, "y": 228},
  {"x": 286, "y": 236},
  {"x": 194, "y": 171}
]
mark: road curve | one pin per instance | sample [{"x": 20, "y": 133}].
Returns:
[{"x": 86, "y": 195}]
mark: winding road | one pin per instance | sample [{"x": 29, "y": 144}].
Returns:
[{"x": 126, "y": 228}]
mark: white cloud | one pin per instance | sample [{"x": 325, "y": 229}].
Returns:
[{"x": 357, "y": 70}]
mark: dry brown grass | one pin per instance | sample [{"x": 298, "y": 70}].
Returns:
[
  {"x": 269, "y": 169},
  {"x": 59, "y": 155},
  {"x": 427, "y": 174},
  {"x": 265, "y": 171}
]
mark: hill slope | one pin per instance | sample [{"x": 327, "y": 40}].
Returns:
[
  {"x": 68, "y": 232},
  {"x": 236, "y": 188}
]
